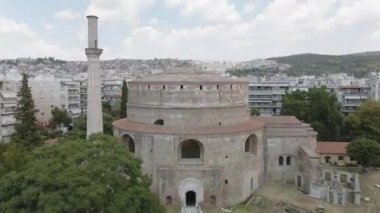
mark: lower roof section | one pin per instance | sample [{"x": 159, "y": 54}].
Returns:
[{"x": 246, "y": 126}]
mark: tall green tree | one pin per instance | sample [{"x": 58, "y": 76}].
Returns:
[
  {"x": 365, "y": 121},
  {"x": 60, "y": 117},
  {"x": 124, "y": 100},
  {"x": 317, "y": 107},
  {"x": 95, "y": 175},
  {"x": 365, "y": 151},
  {"x": 295, "y": 103},
  {"x": 27, "y": 130}
]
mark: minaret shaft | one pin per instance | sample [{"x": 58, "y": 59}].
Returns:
[{"x": 94, "y": 102}]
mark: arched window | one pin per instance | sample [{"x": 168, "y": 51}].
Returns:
[
  {"x": 251, "y": 144},
  {"x": 190, "y": 149},
  {"x": 158, "y": 122},
  {"x": 169, "y": 200},
  {"x": 128, "y": 142},
  {"x": 281, "y": 161},
  {"x": 288, "y": 160}
]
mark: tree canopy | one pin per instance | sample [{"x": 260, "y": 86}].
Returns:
[
  {"x": 254, "y": 112},
  {"x": 317, "y": 107},
  {"x": 27, "y": 130},
  {"x": 95, "y": 175},
  {"x": 364, "y": 122},
  {"x": 365, "y": 151},
  {"x": 60, "y": 116}
]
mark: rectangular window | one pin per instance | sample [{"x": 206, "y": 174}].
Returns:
[
  {"x": 328, "y": 176},
  {"x": 343, "y": 178},
  {"x": 340, "y": 157}
]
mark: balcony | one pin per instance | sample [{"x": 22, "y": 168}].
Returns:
[
  {"x": 7, "y": 131},
  {"x": 8, "y": 111},
  {"x": 8, "y": 121}
]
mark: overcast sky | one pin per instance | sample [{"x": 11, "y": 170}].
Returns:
[{"x": 189, "y": 29}]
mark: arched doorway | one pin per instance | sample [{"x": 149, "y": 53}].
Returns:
[
  {"x": 299, "y": 181},
  {"x": 190, "y": 198},
  {"x": 213, "y": 200},
  {"x": 128, "y": 142},
  {"x": 190, "y": 192}
]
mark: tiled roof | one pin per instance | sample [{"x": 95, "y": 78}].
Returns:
[
  {"x": 277, "y": 119},
  {"x": 247, "y": 126},
  {"x": 332, "y": 147}
]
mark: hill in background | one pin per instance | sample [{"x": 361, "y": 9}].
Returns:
[{"x": 358, "y": 64}]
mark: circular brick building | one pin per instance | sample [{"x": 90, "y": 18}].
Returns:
[{"x": 195, "y": 136}]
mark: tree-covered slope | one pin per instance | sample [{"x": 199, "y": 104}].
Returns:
[{"x": 358, "y": 64}]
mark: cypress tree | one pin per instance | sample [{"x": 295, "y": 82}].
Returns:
[
  {"x": 27, "y": 131},
  {"x": 124, "y": 100}
]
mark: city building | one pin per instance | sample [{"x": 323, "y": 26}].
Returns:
[
  {"x": 49, "y": 92},
  {"x": 8, "y": 104},
  {"x": 111, "y": 90},
  {"x": 266, "y": 97},
  {"x": 352, "y": 96},
  {"x": 374, "y": 83}
]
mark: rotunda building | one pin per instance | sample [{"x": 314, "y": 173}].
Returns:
[{"x": 194, "y": 134}]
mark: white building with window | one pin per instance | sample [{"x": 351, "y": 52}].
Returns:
[
  {"x": 49, "y": 92},
  {"x": 8, "y": 105}
]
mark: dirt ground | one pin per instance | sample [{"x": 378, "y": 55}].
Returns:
[{"x": 274, "y": 194}]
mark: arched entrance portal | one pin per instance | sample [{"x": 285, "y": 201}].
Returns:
[
  {"x": 190, "y": 198},
  {"x": 190, "y": 191}
]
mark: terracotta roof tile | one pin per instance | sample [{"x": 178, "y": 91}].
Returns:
[
  {"x": 277, "y": 119},
  {"x": 332, "y": 147},
  {"x": 249, "y": 125}
]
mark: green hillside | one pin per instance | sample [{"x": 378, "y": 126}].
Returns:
[{"x": 358, "y": 64}]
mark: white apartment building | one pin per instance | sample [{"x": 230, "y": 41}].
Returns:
[
  {"x": 267, "y": 96},
  {"x": 374, "y": 83},
  {"x": 265, "y": 93},
  {"x": 111, "y": 90},
  {"x": 49, "y": 92},
  {"x": 8, "y": 104},
  {"x": 352, "y": 96}
]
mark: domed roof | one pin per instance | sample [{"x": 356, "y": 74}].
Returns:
[{"x": 189, "y": 77}]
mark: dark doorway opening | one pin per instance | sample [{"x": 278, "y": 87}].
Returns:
[
  {"x": 190, "y": 198},
  {"x": 299, "y": 181}
]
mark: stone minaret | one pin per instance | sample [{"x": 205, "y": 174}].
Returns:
[{"x": 94, "y": 102}]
